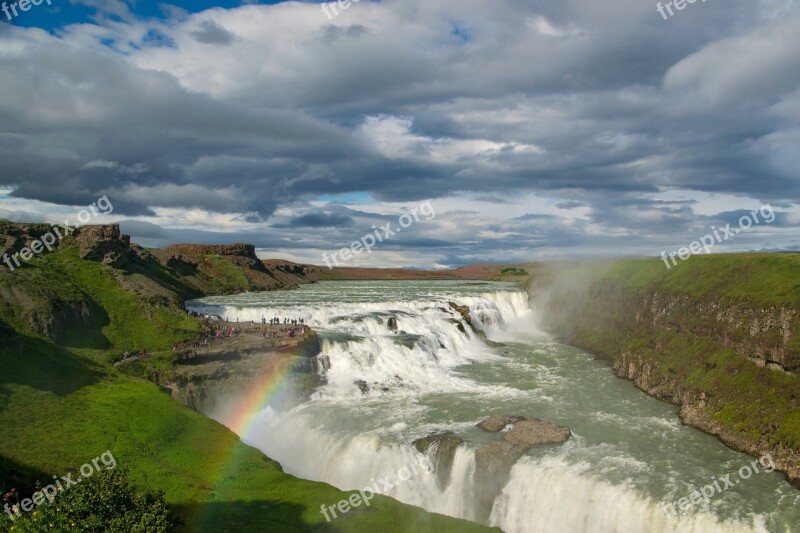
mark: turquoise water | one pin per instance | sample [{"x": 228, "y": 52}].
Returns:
[{"x": 628, "y": 460}]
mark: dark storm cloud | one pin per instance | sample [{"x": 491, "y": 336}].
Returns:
[
  {"x": 759, "y": 215},
  {"x": 531, "y": 216},
  {"x": 492, "y": 200},
  {"x": 570, "y": 205},
  {"x": 613, "y": 93},
  {"x": 153, "y": 236},
  {"x": 320, "y": 220}
]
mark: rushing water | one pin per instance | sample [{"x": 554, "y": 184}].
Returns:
[{"x": 629, "y": 454}]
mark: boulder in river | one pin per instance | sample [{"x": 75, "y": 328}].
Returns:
[
  {"x": 362, "y": 385},
  {"x": 466, "y": 315},
  {"x": 392, "y": 323},
  {"x": 493, "y": 462},
  {"x": 462, "y": 310},
  {"x": 495, "y": 423},
  {"x": 527, "y": 433},
  {"x": 444, "y": 445}
]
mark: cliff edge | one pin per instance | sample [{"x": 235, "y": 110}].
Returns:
[{"x": 718, "y": 336}]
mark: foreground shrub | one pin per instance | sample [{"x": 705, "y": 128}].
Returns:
[{"x": 103, "y": 503}]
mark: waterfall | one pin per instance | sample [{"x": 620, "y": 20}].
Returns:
[{"x": 402, "y": 369}]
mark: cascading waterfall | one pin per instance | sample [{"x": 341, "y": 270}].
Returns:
[
  {"x": 361, "y": 346},
  {"x": 387, "y": 387}
]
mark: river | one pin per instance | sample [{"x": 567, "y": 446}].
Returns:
[{"x": 626, "y": 468}]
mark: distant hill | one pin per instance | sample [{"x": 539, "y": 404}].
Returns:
[
  {"x": 476, "y": 271},
  {"x": 343, "y": 274}
]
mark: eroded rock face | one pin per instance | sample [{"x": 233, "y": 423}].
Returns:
[
  {"x": 445, "y": 452},
  {"x": 240, "y": 250},
  {"x": 466, "y": 315},
  {"x": 58, "y": 316},
  {"x": 104, "y": 244},
  {"x": 15, "y": 236},
  {"x": 494, "y": 462},
  {"x": 209, "y": 377},
  {"x": 101, "y": 243},
  {"x": 762, "y": 334}
]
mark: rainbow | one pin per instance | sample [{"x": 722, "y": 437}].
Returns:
[{"x": 274, "y": 379}]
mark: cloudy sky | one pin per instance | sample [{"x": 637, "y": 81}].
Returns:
[{"x": 536, "y": 129}]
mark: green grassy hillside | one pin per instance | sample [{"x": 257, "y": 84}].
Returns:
[{"x": 62, "y": 321}]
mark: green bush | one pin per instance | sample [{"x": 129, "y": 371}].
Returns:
[{"x": 103, "y": 503}]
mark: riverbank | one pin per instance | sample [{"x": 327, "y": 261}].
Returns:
[{"x": 717, "y": 336}]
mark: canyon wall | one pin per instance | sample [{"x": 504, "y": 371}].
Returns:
[{"x": 718, "y": 336}]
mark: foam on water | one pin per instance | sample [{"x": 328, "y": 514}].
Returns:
[
  {"x": 417, "y": 358},
  {"x": 419, "y": 381},
  {"x": 547, "y": 494}
]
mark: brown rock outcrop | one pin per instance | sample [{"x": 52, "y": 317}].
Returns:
[
  {"x": 493, "y": 462},
  {"x": 445, "y": 445},
  {"x": 16, "y": 236},
  {"x": 239, "y": 249},
  {"x": 527, "y": 433},
  {"x": 462, "y": 310},
  {"x": 103, "y": 244}
]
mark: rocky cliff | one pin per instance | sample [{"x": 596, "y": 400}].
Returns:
[
  {"x": 292, "y": 273},
  {"x": 156, "y": 281},
  {"x": 208, "y": 378},
  {"x": 237, "y": 250},
  {"x": 767, "y": 335}
]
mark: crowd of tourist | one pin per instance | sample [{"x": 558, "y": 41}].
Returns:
[
  {"x": 286, "y": 321},
  {"x": 217, "y": 329}
]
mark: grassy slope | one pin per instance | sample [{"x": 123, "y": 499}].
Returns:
[
  {"x": 62, "y": 407},
  {"x": 756, "y": 404},
  {"x": 762, "y": 279}
]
